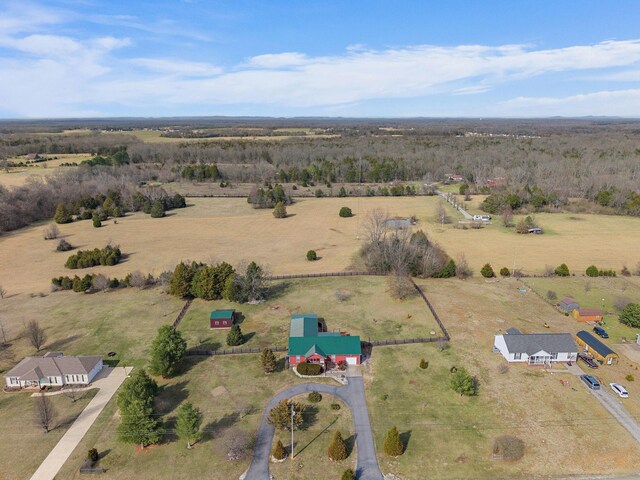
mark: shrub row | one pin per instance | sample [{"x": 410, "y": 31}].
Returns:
[
  {"x": 90, "y": 258},
  {"x": 310, "y": 369}
]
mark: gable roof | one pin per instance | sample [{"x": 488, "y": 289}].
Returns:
[
  {"x": 315, "y": 350},
  {"x": 589, "y": 312},
  {"x": 35, "y": 368},
  {"x": 328, "y": 345},
  {"x": 568, "y": 301},
  {"x": 304, "y": 325},
  {"x": 222, "y": 314},
  {"x": 513, "y": 331},
  {"x": 594, "y": 343},
  {"x": 531, "y": 343}
]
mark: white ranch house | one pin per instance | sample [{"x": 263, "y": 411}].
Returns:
[
  {"x": 53, "y": 370},
  {"x": 536, "y": 348}
]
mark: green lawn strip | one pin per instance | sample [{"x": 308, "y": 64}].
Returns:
[{"x": 25, "y": 445}]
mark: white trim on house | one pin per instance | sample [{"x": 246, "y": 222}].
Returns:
[{"x": 529, "y": 351}]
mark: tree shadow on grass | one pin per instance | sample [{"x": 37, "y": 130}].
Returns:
[
  {"x": 404, "y": 438},
  {"x": 60, "y": 344},
  {"x": 239, "y": 318},
  {"x": 247, "y": 336},
  {"x": 170, "y": 396},
  {"x": 277, "y": 289},
  {"x": 309, "y": 416},
  {"x": 351, "y": 444},
  {"x": 216, "y": 428},
  {"x": 191, "y": 361}
]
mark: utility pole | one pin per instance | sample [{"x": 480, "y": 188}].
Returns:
[{"x": 292, "y": 415}]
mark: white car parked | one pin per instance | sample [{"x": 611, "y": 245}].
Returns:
[{"x": 619, "y": 389}]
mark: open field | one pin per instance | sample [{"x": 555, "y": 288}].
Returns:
[
  {"x": 18, "y": 176},
  {"x": 451, "y": 437},
  {"x": 229, "y": 229},
  {"x": 369, "y": 312},
  {"x": 123, "y": 321},
  {"x": 231, "y": 393},
  {"x": 25, "y": 445}
]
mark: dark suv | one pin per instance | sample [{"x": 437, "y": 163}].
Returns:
[{"x": 600, "y": 331}]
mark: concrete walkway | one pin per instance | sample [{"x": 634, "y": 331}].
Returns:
[
  {"x": 108, "y": 381},
  {"x": 353, "y": 395}
]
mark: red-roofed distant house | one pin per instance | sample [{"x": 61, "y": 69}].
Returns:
[
  {"x": 454, "y": 177},
  {"x": 495, "y": 182}
]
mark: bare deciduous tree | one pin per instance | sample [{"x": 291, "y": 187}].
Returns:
[
  {"x": 507, "y": 216},
  {"x": 3, "y": 334},
  {"x": 375, "y": 226},
  {"x": 441, "y": 213},
  {"x": 35, "y": 334},
  {"x": 463, "y": 270},
  {"x": 51, "y": 232},
  {"x": 44, "y": 412},
  {"x": 137, "y": 279},
  {"x": 100, "y": 282},
  {"x": 3, "y": 292}
]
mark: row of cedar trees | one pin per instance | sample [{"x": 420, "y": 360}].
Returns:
[
  {"x": 115, "y": 204},
  {"x": 214, "y": 282}
]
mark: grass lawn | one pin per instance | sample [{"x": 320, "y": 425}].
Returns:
[
  {"x": 25, "y": 445},
  {"x": 231, "y": 393},
  {"x": 368, "y": 311},
  {"x": 590, "y": 293},
  {"x": 450, "y": 436},
  {"x": 124, "y": 321},
  {"x": 312, "y": 441}
]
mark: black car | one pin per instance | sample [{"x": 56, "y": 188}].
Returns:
[
  {"x": 600, "y": 331},
  {"x": 590, "y": 362}
]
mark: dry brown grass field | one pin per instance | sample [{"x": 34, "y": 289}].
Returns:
[
  {"x": 451, "y": 437},
  {"x": 230, "y": 230},
  {"x": 18, "y": 176}
]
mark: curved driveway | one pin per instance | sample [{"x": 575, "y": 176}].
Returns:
[{"x": 353, "y": 395}]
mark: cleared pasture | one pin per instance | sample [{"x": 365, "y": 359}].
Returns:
[
  {"x": 18, "y": 176},
  {"x": 230, "y": 229},
  {"x": 368, "y": 311}
]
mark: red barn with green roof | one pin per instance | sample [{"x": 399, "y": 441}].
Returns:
[
  {"x": 308, "y": 344},
  {"x": 222, "y": 318}
]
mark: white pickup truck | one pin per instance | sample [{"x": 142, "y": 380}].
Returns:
[{"x": 481, "y": 218}]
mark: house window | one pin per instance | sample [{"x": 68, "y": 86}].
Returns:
[
  {"x": 517, "y": 356},
  {"x": 554, "y": 356},
  {"x": 217, "y": 322},
  {"x": 298, "y": 359}
]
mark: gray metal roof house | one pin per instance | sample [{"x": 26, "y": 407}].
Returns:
[{"x": 536, "y": 348}]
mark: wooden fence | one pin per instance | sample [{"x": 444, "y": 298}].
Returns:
[
  {"x": 232, "y": 351},
  {"x": 330, "y": 274},
  {"x": 182, "y": 313},
  {"x": 433, "y": 311},
  {"x": 404, "y": 341}
]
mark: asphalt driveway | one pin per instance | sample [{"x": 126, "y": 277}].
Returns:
[{"x": 353, "y": 395}]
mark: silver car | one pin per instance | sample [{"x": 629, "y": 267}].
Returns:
[{"x": 619, "y": 389}]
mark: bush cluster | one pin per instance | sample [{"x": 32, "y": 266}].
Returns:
[
  {"x": 527, "y": 197},
  {"x": 593, "y": 271},
  {"x": 90, "y": 258},
  {"x": 268, "y": 197},
  {"x": 213, "y": 282},
  {"x": 315, "y": 397},
  {"x": 100, "y": 207},
  {"x": 200, "y": 172},
  {"x": 345, "y": 212},
  {"x": 310, "y": 369}
]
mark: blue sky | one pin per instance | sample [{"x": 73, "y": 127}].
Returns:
[{"x": 525, "y": 58}]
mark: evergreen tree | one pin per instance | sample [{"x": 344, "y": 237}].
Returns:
[
  {"x": 268, "y": 360},
  {"x": 562, "y": 270},
  {"x": 487, "y": 271},
  {"x": 504, "y": 272},
  {"x": 392, "y": 443},
  {"x": 312, "y": 255},
  {"x": 204, "y": 285},
  {"x": 135, "y": 402},
  {"x": 280, "y": 211},
  {"x": 630, "y": 315},
  {"x": 337, "y": 450},
  {"x": 62, "y": 215},
  {"x": 157, "y": 209},
  {"x": 424, "y": 364},
  {"x": 464, "y": 383},
  {"x": 96, "y": 220},
  {"x": 180, "y": 283},
  {"x": 188, "y": 420},
  {"x": 167, "y": 351},
  {"x": 345, "y": 212},
  {"x": 235, "y": 336},
  {"x": 280, "y": 415},
  {"x": 342, "y": 192},
  {"x": 231, "y": 290},
  {"x": 278, "y": 451}
]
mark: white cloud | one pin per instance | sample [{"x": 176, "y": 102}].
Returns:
[
  {"x": 624, "y": 103},
  {"x": 177, "y": 67},
  {"x": 57, "y": 74}
]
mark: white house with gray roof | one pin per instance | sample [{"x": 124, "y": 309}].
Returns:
[
  {"x": 536, "y": 348},
  {"x": 53, "y": 370}
]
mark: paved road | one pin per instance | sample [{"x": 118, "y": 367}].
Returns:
[
  {"x": 615, "y": 406},
  {"x": 353, "y": 395},
  {"x": 108, "y": 382}
]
